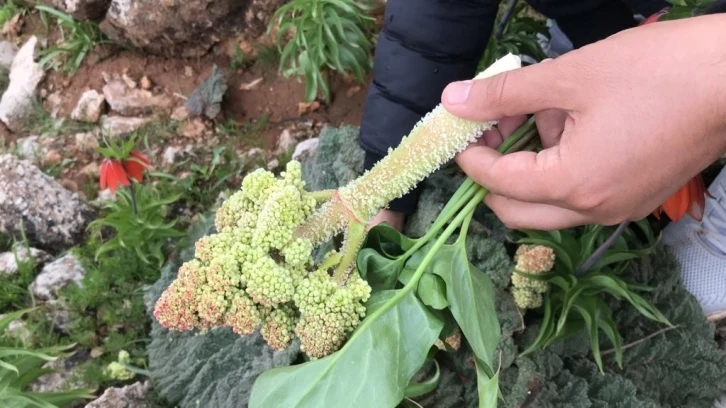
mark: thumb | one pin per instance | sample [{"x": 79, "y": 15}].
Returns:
[{"x": 521, "y": 91}]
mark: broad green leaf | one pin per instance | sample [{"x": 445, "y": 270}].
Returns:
[
  {"x": 432, "y": 291},
  {"x": 487, "y": 387},
  {"x": 376, "y": 364},
  {"x": 380, "y": 272},
  {"x": 424, "y": 387},
  {"x": 471, "y": 297},
  {"x": 387, "y": 241}
]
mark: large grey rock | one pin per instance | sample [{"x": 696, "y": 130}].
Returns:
[
  {"x": 56, "y": 276},
  {"x": 130, "y": 396},
  {"x": 51, "y": 216},
  {"x": 25, "y": 75},
  {"x": 120, "y": 125},
  {"x": 186, "y": 28}
]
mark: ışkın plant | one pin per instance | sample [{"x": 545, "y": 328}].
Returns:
[{"x": 257, "y": 270}]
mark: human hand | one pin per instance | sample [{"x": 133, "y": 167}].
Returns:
[{"x": 624, "y": 122}]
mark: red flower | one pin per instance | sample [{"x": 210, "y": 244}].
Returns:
[
  {"x": 116, "y": 172},
  {"x": 690, "y": 199},
  {"x": 135, "y": 166},
  {"x": 113, "y": 174}
]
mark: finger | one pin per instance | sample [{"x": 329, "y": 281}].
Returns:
[
  {"x": 551, "y": 124},
  {"x": 512, "y": 93},
  {"x": 492, "y": 138},
  {"x": 522, "y": 215},
  {"x": 524, "y": 176}
]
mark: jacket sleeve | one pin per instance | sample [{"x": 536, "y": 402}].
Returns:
[{"x": 423, "y": 46}]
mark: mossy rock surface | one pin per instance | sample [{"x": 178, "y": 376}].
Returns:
[{"x": 682, "y": 367}]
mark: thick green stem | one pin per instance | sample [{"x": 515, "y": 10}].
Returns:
[{"x": 354, "y": 237}]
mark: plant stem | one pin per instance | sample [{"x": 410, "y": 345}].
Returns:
[
  {"x": 132, "y": 194},
  {"x": 600, "y": 251},
  {"x": 354, "y": 238}
]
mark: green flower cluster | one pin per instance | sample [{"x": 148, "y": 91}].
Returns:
[
  {"x": 531, "y": 260},
  {"x": 255, "y": 273}
]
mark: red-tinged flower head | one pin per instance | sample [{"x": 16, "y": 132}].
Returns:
[
  {"x": 136, "y": 164},
  {"x": 690, "y": 199},
  {"x": 655, "y": 17},
  {"x": 113, "y": 174}
]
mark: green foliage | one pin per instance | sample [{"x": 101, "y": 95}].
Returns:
[
  {"x": 575, "y": 302},
  {"x": 8, "y": 11},
  {"x": 328, "y": 35},
  {"x": 685, "y": 8},
  {"x": 519, "y": 37},
  {"x": 4, "y": 80},
  {"x": 19, "y": 367},
  {"x": 14, "y": 288},
  {"x": 139, "y": 222},
  {"x": 77, "y": 40}
]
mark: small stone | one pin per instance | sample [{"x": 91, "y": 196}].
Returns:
[
  {"x": 128, "y": 81},
  {"x": 120, "y": 126},
  {"x": 180, "y": 113},
  {"x": 145, "y": 83},
  {"x": 307, "y": 107},
  {"x": 170, "y": 154},
  {"x": 43, "y": 93},
  {"x": 52, "y": 158},
  {"x": 91, "y": 170},
  {"x": 130, "y": 396},
  {"x": 255, "y": 153},
  {"x": 89, "y": 107},
  {"x": 273, "y": 164},
  {"x": 87, "y": 142},
  {"x": 188, "y": 71},
  {"x": 54, "y": 103},
  {"x": 130, "y": 102},
  {"x": 70, "y": 185},
  {"x": 106, "y": 195},
  {"x": 194, "y": 129},
  {"x": 97, "y": 352},
  {"x": 352, "y": 91},
  {"x": 9, "y": 266},
  {"x": 285, "y": 142},
  {"x": 306, "y": 149},
  {"x": 57, "y": 275}
]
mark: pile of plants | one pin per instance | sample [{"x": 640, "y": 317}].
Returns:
[{"x": 599, "y": 339}]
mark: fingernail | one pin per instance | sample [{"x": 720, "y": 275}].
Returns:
[{"x": 458, "y": 92}]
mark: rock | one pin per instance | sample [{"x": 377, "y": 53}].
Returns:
[
  {"x": 285, "y": 142},
  {"x": 57, "y": 275},
  {"x": 59, "y": 316},
  {"x": 66, "y": 374},
  {"x": 130, "y": 396},
  {"x": 128, "y": 81},
  {"x": 145, "y": 83},
  {"x": 91, "y": 170},
  {"x": 52, "y": 217},
  {"x": 87, "y": 142},
  {"x": 273, "y": 164},
  {"x": 170, "y": 154},
  {"x": 54, "y": 103},
  {"x": 194, "y": 129},
  {"x": 25, "y": 75},
  {"x": 184, "y": 28},
  {"x": 180, "y": 113},
  {"x": 306, "y": 149},
  {"x": 51, "y": 158},
  {"x": 19, "y": 330},
  {"x": 9, "y": 266},
  {"x": 188, "y": 71},
  {"x": 255, "y": 153},
  {"x": 89, "y": 107},
  {"x": 29, "y": 148},
  {"x": 7, "y": 54},
  {"x": 120, "y": 126},
  {"x": 130, "y": 102}
]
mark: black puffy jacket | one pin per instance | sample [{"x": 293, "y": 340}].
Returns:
[{"x": 426, "y": 44}]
